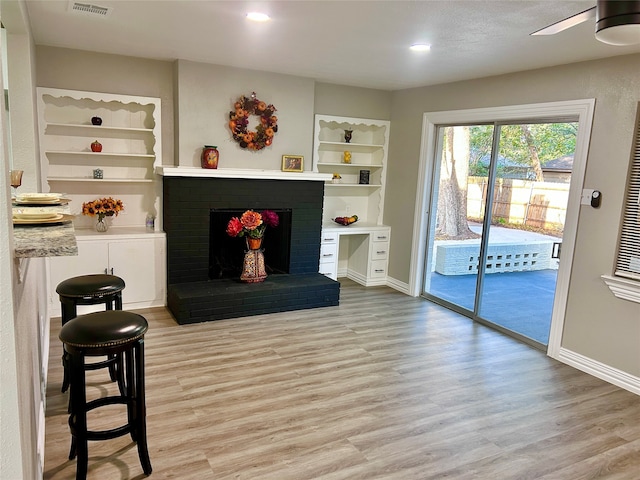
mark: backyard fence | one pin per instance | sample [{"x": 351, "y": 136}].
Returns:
[{"x": 530, "y": 203}]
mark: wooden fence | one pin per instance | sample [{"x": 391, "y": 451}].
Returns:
[{"x": 530, "y": 203}]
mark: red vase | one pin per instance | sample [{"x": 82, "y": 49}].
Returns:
[
  {"x": 96, "y": 146},
  {"x": 210, "y": 156}
]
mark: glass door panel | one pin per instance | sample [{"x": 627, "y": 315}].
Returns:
[{"x": 457, "y": 208}]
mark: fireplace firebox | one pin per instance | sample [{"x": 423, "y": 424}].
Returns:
[{"x": 226, "y": 253}]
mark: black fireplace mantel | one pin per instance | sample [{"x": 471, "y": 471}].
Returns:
[{"x": 187, "y": 202}]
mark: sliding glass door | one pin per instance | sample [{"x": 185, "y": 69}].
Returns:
[{"x": 499, "y": 196}]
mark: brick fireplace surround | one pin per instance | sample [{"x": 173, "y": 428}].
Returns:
[{"x": 192, "y": 296}]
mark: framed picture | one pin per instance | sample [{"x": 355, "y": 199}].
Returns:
[{"x": 292, "y": 163}]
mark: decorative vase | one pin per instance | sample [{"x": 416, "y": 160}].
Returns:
[
  {"x": 253, "y": 270},
  {"x": 96, "y": 146},
  {"x": 96, "y": 121},
  {"x": 210, "y": 156},
  {"x": 347, "y": 135},
  {"x": 101, "y": 226}
]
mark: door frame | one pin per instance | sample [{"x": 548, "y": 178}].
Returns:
[{"x": 583, "y": 109}]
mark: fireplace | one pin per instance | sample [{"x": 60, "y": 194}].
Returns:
[
  {"x": 226, "y": 253},
  {"x": 199, "y": 291}
]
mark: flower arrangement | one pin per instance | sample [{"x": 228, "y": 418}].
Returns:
[
  {"x": 252, "y": 224},
  {"x": 103, "y": 207},
  {"x": 239, "y": 122}
]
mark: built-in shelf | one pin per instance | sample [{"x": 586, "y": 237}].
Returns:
[
  {"x": 100, "y": 180},
  {"x": 97, "y": 128},
  {"x": 168, "y": 171},
  {"x": 101, "y": 154}
]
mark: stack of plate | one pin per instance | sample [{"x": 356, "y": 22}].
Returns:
[{"x": 40, "y": 199}]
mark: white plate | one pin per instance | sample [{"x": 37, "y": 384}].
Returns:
[
  {"x": 22, "y": 197},
  {"x": 37, "y": 214},
  {"x": 42, "y": 221}
]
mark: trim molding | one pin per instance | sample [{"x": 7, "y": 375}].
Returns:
[
  {"x": 600, "y": 370},
  {"x": 170, "y": 171},
  {"x": 623, "y": 288},
  {"x": 402, "y": 287}
]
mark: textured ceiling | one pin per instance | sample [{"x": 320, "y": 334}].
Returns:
[{"x": 360, "y": 43}]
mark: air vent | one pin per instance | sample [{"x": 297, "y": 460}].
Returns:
[{"x": 89, "y": 9}]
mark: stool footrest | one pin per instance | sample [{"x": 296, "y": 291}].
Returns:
[{"x": 103, "y": 434}]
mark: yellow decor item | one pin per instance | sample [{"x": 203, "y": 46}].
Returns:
[{"x": 347, "y": 156}]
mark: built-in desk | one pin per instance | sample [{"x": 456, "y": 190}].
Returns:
[{"x": 359, "y": 251}]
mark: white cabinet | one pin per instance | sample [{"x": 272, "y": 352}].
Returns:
[
  {"x": 362, "y": 253},
  {"x": 358, "y": 251},
  {"x": 138, "y": 258},
  {"x": 368, "y": 152},
  {"x": 130, "y": 135}
]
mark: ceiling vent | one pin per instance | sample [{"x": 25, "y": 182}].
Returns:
[{"x": 89, "y": 9}]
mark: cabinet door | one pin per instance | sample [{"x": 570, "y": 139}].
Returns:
[
  {"x": 93, "y": 257},
  {"x": 135, "y": 262}
]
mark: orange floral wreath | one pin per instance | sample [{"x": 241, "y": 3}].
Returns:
[{"x": 239, "y": 123}]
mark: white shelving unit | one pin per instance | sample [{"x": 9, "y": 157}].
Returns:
[
  {"x": 130, "y": 135},
  {"x": 358, "y": 251}
]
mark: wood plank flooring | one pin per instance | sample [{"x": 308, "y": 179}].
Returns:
[{"x": 384, "y": 386}]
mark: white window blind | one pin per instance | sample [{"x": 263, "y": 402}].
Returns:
[{"x": 628, "y": 259}]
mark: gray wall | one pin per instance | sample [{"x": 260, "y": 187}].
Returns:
[{"x": 597, "y": 325}]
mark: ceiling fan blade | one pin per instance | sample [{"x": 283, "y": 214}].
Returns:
[{"x": 567, "y": 22}]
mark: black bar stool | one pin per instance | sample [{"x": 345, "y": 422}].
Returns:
[
  {"x": 114, "y": 332},
  {"x": 90, "y": 290}
]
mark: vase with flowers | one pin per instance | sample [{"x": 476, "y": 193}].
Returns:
[
  {"x": 252, "y": 225},
  {"x": 102, "y": 208}
]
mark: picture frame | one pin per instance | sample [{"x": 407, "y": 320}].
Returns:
[{"x": 292, "y": 163}]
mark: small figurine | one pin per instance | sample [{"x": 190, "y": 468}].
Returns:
[{"x": 347, "y": 135}]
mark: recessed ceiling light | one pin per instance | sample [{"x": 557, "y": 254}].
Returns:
[
  {"x": 420, "y": 47},
  {"x": 258, "y": 17}
]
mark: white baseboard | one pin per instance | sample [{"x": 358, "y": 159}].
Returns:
[
  {"x": 600, "y": 370},
  {"x": 402, "y": 287}
]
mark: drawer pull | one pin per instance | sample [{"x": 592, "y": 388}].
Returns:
[
  {"x": 379, "y": 270},
  {"x": 380, "y": 252},
  {"x": 328, "y": 255},
  {"x": 381, "y": 237},
  {"x": 328, "y": 239}
]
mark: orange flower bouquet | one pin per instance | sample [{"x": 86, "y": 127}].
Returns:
[
  {"x": 103, "y": 207},
  {"x": 252, "y": 224}
]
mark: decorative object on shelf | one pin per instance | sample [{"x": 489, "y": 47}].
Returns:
[
  {"x": 347, "y": 135},
  {"x": 336, "y": 178},
  {"x": 16, "y": 180},
  {"x": 96, "y": 146},
  {"x": 346, "y": 220},
  {"x": 239, "y": 123},
  {"x": 292, "y": 163},
  {"x": 150, "y": 222},
  {"x": 346, "y": 158},
  {"x": 253, "y": 225},
  {"x": 102, "y": 207},
  {"x": 96, "y": 121},
  {"x": 98, "y": 174},
  {"x": 210, "y": 157},
  {"x": 364, "y": 177}
]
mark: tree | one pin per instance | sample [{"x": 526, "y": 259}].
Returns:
[{"x": 452, "y": 197}]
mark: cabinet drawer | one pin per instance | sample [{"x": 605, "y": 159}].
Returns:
[
  {"x": 329, "y": 238},
  {"x": 378, "y": 268},
  {"x": 381, "y": 237},
  {"x": 379, "y": 250},
  {"x": 328, "y": 252}
]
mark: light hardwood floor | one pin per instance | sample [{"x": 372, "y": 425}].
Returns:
[{"x": 384, "y": 386}]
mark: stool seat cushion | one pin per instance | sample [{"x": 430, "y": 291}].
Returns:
[
  {"x": 96, "y": 285},
  {"x": 103, "y": 329}
]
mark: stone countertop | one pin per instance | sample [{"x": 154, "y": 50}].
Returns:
[{"x": 45, "y": 240}]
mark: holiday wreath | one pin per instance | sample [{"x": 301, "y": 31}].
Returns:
[{"x": 239, "y": 123}]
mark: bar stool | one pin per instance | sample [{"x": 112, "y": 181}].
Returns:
[
  {"x": 90, "y": 290},
  {"x": 113, "y": 332}
]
